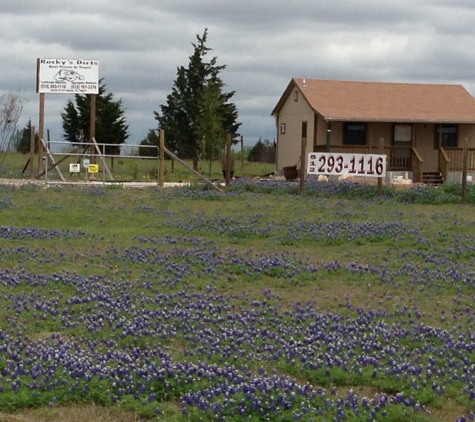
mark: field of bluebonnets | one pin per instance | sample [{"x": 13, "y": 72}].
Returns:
[{"x": 260, "y": 304}]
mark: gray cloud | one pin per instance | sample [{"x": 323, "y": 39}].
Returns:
[{"x": 140, "y": 44}]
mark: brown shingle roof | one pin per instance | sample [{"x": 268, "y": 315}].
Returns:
[{"x": 383, "y": 101}]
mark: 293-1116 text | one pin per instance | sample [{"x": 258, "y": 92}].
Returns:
[{"x": 366, "y": 165}]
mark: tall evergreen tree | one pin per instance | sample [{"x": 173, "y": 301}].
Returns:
[
  {"x": 151, "y": 139},
  {"x": 111, "y": 126},
  {"x": 179, "y": 117},
  {"x": 23, "y": 142},
  {"x": 209, "y": 124}
]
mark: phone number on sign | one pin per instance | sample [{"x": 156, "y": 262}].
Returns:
[{"x": 370, "y": 165}]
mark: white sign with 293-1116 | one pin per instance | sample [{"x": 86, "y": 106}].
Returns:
[{"x": 366, "y": 165}]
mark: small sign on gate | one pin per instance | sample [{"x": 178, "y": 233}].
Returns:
[
  {"x": 93, "y": 168},
  {"x": 74, "y": 168},
  {"x": 86, "y": 163}
]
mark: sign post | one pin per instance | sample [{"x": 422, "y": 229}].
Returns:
[
  {"x": 380, "y": 179},
  {"x": 86, "y": 163},
  {"x": 303, "y": 149},
  {"x": 32, "y": 151},
  {"x": 41, "y": 131},
  {"x": 92, "y": 127},
  {"x": 464, "y": 169}
]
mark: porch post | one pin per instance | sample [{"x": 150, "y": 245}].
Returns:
[
  {"x": 464, "y": 169},
  {"x": 329, "y": 136},
  {"x": 315, "y": 132},
  {"x": 440, "y": 135}
]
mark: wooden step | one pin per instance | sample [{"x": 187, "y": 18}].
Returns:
[{"x": 433, "y": 178}]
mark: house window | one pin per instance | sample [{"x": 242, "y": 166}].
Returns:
[
  {"x": 282, "y": 128},
  {"x": 296, "y": 96},
  {"x": 450, "y": 136},
  {"x": 304, "y": 129},
  {"x": 355, "y": 134},
  {"x": 402, "y": 135}
]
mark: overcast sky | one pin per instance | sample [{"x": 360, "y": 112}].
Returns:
[{"x": 264, "y": 43}]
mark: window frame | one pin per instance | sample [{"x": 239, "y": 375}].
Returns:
[
  {"x": 446, "y": 143},
  {"x": 346, "y": 133},
  {"x": 399, "y": 142}
]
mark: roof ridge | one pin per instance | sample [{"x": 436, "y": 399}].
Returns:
[{"x": 379, "y": 82}]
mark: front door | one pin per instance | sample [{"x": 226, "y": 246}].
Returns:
[{"x": 402, "y": 143}]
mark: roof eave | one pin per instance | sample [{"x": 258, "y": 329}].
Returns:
[
  {"x": 385, "y": 120},
  {"x": 283, "y": 98}
]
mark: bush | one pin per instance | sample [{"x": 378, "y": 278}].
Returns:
[{"x": 264, "y": 151}]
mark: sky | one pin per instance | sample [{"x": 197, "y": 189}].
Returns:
[{"x": 263, "y": 43}]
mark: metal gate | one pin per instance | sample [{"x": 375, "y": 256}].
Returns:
[{"x": 86, "y": 163}]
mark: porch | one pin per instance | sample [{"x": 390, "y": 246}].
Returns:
[{"x": 450, "y": 160}]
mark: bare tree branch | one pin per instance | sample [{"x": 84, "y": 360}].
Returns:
[{"x": 11, "y": 107}]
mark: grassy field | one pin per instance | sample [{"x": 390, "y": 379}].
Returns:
[
  {"x": 129, "y": 169},
  {"x": 259, "y": 304}
]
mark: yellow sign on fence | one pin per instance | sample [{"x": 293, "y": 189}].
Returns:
[{"x": 93, "y": 168}]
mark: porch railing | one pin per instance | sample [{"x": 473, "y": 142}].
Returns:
[
  {"x": 399, "y": 158},
  {"x": 444, "y": 162},
  {"x": 351, "y": 149},
  {"x": 416, "y": 162},
  {"x": 455, "y": 156}
]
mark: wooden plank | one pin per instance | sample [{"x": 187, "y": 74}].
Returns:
[
  {"x": 48, "y": 153},
  {"x": 192, "y": 169},
  {"x": 161, "y": 167},
  {"x": 464, "y": 169}
]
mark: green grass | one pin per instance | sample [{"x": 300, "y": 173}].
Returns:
[{"x": 408, "y": 262}]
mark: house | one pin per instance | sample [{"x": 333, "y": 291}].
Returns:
[{"x": 424, "y": 126}]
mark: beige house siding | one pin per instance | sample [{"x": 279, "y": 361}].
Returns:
[
  {"x": 321, "y": 132},
  {"x": 425, "y": 147},
  {"x": 292, "y": 114},
  {"x": 379, "y": 130},
  {"x": 467, "y": 131}
]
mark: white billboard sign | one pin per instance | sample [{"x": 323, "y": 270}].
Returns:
[
  {"x": 366, "y": 165},
  {"x": 67, "y": 76}
]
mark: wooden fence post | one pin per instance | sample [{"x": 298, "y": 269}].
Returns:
[
  {"x": 242, "y": 154},
  {"x": 161, "y": 153},
  {"x": 464, "y": 169},
  {"x": 32, "y": 151},
  {"x": 303, "y": 153},
  {"x": 227, "y": 169},
  {"x": 380, "y": 179}
]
